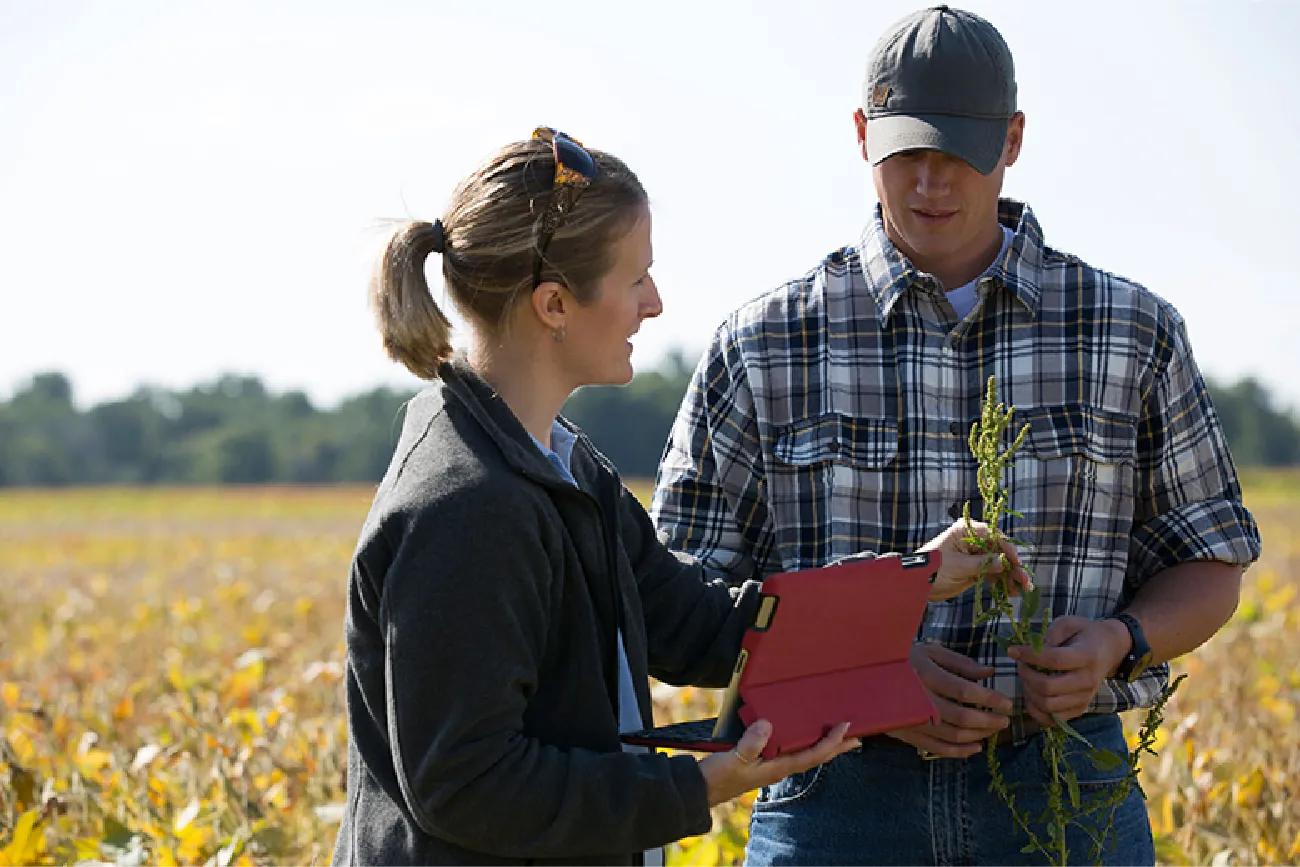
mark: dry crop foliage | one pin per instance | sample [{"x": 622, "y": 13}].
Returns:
[
  {"x": 170, "y": 664},
  {"x": 169, "y": 675}
]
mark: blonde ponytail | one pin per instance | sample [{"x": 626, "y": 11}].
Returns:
[{"x": 415, "y": 331}]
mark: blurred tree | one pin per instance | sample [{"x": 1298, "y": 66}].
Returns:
[{"x": 233, "y": 430}]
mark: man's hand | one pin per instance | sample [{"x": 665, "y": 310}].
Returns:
[
  {"x": 950, "y": 679},
  {"x": 1078, "y": 654}
]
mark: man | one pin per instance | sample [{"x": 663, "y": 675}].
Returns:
[{"x": 832, "y": 414}]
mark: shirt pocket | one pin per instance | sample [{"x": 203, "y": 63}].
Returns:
[
  {"x": 828, "y": 479},
  {"x": 1073, "y": 482}
]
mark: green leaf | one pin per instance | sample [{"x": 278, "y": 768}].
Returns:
[
  {"x": 1002, "y": 641},
  {"x": 1029, "y": 849},
  {"x": 1069, "y": 730},
  {"x": 272, "y": 840},
  {"x": 1072, "y": 782},
  {"x": 1104, "y": 760},
  {"x": 116, "y": 834},
  {"x": 1036, "y": 641},
  {"x": 1029, "y": 603}
]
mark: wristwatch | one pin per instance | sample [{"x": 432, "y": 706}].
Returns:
[{"x": 1138, "y": 658}]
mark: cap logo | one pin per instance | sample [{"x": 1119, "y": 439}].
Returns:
[{"x": 880, "y": 95}]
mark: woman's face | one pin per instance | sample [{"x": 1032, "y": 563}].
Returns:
[{"x": 598, "y": 347}]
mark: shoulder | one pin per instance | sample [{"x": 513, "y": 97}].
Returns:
[
  {"x": 448, "y": 477},
  {"x": 1069, "y": 281},
  {"x": 788, "y": 307}
]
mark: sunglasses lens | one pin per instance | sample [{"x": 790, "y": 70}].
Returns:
[{"x": 573, "y": 157}]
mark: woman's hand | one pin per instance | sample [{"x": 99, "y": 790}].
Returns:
[
  {"x": 740, "y": 770},
  {"x": 962, "y": 562}
]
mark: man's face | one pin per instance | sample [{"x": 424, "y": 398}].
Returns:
[{"x": 938, "y": 209}]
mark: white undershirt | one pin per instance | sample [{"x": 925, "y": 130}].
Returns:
[{"x": 963, "y": 298}]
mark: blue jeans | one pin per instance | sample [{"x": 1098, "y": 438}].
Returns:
[{"x": 887, "y": 805}]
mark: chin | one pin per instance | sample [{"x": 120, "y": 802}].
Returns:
[{"x": 620, "y": 375}]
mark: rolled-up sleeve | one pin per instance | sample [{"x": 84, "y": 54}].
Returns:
[{"x": 1188, "y": 500}]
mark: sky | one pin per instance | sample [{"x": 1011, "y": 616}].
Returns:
[{"x": 198, "y": 188}]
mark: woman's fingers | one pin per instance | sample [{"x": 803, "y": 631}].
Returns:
[
  {"x": 743, "y": 769},
  {"x": 1005, "y": 561},
  {"x": 750, "y": 747},
  {"x": 830, "y": 746}
]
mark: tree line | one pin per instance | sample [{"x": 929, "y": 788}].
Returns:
[{"x": 235, "y": 431}]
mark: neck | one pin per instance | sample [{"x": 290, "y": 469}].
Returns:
[
  {"x": 524, "y": 379},
  {"x": 961, "y": 266}
]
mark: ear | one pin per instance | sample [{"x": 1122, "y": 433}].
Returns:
[
  {"x": 860, "y": 122},
  {"x": 1015, "y": 137},
  {"x": 549, "y": 301}
]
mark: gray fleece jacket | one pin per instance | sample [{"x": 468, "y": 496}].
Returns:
[{"x": 484, "y": 602}]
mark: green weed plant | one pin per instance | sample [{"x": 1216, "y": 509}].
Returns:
[{"x": 1067, "y": 804}]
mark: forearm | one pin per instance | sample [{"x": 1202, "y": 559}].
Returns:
[{"x": 1182, "y": 607}]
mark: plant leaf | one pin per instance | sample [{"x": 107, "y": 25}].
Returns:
[
  {"x": 116, "y": 834},
  {"x": 1069, "y": 730},
  {"x": 1029, "y": 603},
  {"x": 185, "y": 817},
  {"x": 1104, "y": 760}
]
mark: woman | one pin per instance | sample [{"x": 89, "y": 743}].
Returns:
[{"x": 508, "y": 597}]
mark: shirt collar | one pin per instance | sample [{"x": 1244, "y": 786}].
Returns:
[
  {"x": 888, "y": 273},
  {"x": 560, "y": 454}
]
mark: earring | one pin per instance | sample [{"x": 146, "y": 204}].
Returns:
[{"x": 558, "y": 334}]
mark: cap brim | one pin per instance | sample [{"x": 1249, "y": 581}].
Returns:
[{"x": 978, "y": 141}]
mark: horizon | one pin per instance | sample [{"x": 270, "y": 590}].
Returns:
[
  {"x": 661, "y": 366},
  {"x": 194, "y": 189}
]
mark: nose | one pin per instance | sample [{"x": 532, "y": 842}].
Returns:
[
  {"x": 934, "y": 175},
  {"x": 652, "y": 305}
]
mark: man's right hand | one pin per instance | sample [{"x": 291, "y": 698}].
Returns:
[{"x": 950, "y": 679}]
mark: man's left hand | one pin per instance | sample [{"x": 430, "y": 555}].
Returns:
[{"x": 1078, "y": 654}]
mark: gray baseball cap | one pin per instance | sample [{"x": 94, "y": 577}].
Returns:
[{"x": 941, "y": 79}]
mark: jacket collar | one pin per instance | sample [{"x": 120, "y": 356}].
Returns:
[{"x": 496, "y": 418}]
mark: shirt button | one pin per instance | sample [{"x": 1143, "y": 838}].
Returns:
[
  {"x": 954, "y": 511},
  {"x": 958, "y": 428}
]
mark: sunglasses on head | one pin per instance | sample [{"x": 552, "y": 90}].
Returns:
[{"x": 574, "y": 171}]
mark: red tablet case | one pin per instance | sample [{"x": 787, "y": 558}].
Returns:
[{"x": 831, "y": 645}]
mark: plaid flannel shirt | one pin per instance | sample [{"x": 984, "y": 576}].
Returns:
[{"x": 831, "y": 416}]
